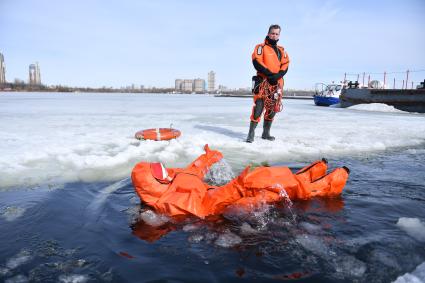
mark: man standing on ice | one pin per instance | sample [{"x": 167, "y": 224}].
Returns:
[{"x": 271, "y": 62}]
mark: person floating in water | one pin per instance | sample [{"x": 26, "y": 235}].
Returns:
[
  {"x": 271, "y": 62},
  {"x": 183, "y": 191}
]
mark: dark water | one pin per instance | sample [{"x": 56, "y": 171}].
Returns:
[{"x": 94, "y": 233}]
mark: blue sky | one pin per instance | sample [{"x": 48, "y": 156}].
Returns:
[{"x": 117, "y": 43}]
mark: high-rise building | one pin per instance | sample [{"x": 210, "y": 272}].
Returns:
[
  {"x": 187, "y": 85},
  {"x": 178, "y": 84},
  {"x": 211, "y": 81},
  {"x": 34, "y": 74},
  {"x": 199, "y": 85},
  {"x": 2, "y": 70}
]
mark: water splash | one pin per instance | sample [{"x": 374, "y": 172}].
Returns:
[
  {"x": 286, "y": 201},
  {"x": 219, "y": 174}
]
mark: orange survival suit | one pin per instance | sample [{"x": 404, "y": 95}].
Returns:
[
  {"x": 271, "y": 62},
  {"x": 181, "y": 191}
]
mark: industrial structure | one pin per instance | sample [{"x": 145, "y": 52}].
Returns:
[
  {"x": 2, "y": 70},
  {"x": 34, "y": 74},
  {"x": 211, "y": 81}
]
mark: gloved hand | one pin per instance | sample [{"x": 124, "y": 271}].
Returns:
[{"x": 273, "y": 79}]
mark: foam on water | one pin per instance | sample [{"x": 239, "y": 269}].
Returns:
[
  {"x": 416, "y": 276},
  {"x": 59, "y": 138},
  {"x": 414, "y": 227}
]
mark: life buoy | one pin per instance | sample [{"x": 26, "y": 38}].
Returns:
[{"x": 158, "y": 134}]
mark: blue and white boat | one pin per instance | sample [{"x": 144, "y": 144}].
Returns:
[{"x": 326, "y": 95}]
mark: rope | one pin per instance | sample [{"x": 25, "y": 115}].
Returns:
[{"x": 272, "y": 96}]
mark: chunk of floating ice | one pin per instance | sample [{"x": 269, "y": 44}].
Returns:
[
  {"x": 313, "y": 244},
  {"x": 11, "y": 213},
  {"x": 417, "y": 276},
  {"x": 21, "y": 258},
  {"x": 349, "y": 266},
  {"x": 153, "y": 219},
  {"x": 228, "y": 239},
  {"x": 413, "y": 227},
  {"x": 73, "y": 278},
  {"x": 246, "y": 229}
]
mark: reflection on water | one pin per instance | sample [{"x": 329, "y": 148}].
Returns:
[{"x": 99, "y": 232}]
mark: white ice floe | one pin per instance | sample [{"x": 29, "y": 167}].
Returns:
[
  {"x": 377, "y": 107},
  {"x": 57, "y": 138},
  {"x": 416, "y": 276},
  {"x": 11, "y": 213},
  {"x": 414, "y": 227}
]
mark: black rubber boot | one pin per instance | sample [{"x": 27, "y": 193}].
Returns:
[
  {"x": 266, "y": 130},
  {"x": 251, "y": 133}
]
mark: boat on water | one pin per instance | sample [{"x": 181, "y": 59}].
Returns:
[{"x": 326, "y": 95}]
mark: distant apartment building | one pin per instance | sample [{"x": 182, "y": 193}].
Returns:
[
  {"x": 196, "y": 85},
  {"x": 211, "y": 81},
  {"x": 199, "y": 85},
  {"x": 2, "y": 70},
  {"x": 34, "y": 74},
  {"x": 178, "y": 84},
  {"x": 187, "y": 85}
]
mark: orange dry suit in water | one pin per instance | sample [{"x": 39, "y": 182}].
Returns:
[
  {"x": 271, "y": 62},
  {"x": 182, "y": 191}
]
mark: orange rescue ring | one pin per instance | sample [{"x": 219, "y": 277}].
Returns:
[{"x": 158, "y": 134}]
